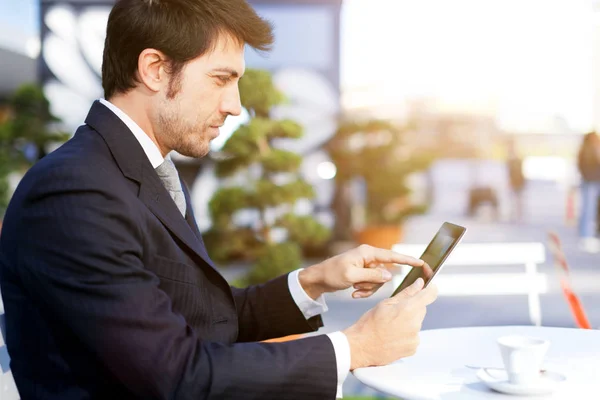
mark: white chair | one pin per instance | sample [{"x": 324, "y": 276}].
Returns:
[
  {"x": 8, "y": 389},
  {"x": 525, "y": 255}
]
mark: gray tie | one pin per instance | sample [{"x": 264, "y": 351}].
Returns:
[{"x": 170, "y": 178}]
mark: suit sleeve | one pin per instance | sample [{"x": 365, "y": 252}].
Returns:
[
  {"x": 261, "y": 318},
  {"x": 80, "y": 258}
]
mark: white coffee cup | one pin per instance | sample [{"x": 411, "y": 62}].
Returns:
[{"x": 523, "y": 357}]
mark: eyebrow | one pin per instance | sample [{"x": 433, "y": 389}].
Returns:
[{"x": 229, "y": 71}]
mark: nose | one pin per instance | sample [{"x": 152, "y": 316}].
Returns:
[{"x": 230, "y": 103}]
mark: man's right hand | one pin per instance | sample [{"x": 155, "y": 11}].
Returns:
[{"x": 390, "y": 330}]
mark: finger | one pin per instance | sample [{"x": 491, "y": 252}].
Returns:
[
  {"x": 370, "y": 285},
  {"x": 427, "y": 271},
  {"x": 393, "y": 268},
  {"x": 412, "y": 290},
  {"x": 361, "y": 294},
  {"x": 427, "y": 295},
  {"x": 372, "y": 254},
  {"x": 368, "y": 275},
  {"x": 367, "y": 286}
]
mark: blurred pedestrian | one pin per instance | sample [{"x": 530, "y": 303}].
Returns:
[
  {"x": 516, "y": 179},
  {"x": 588, "y": 162}
]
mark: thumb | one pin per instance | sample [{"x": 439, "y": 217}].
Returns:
[
  {"x": 412, "y": 289},
  {"x": 371, "y": 275}
]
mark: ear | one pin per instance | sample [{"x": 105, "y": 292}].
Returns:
[{"x": 152, "y": 70}]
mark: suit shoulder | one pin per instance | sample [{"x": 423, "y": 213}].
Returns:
[
  {"x": 85, "y": 155},
  {"x": 85, "y": 149},
  {"x": 84, "y": 163}
]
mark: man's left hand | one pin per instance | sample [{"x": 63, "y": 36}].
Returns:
[{"x": 365, "y": 268}]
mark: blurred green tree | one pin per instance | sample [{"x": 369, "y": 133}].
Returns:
[
  {"x": 377, "y": 153},
  {"x": 26, "y": 134},
  {"x": 260, "y": 178}
]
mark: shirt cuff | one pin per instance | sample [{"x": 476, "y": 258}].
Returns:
[
  {"x": 341, "y": 347},
  {"x": 307, "y": 305}
]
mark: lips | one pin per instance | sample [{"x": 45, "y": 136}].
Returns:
[{"x": 218, "y": 125}]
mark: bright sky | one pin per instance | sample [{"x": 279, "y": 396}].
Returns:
[
  {"x": 527, "y": 61},
  {"x": 20, "y": 14},
  {"x": 19, "y": 25},
  {"x": 530, "y": 62}
]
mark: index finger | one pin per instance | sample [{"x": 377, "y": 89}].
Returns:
[
  {"x": 427, "y": 271},
  {"x": 378, "y": 255}
]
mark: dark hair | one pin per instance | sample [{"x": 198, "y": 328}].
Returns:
[{"x": 181, "y": 29}]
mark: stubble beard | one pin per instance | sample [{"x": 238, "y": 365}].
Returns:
[{"x": 185, "y": 138}]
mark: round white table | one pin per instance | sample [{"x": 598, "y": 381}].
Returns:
[{"x": 447, "y": 361}]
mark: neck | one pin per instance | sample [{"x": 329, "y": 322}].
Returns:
[{"x": 138, "y": 110}]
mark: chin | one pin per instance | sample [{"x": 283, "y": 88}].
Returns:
[{"x": 194, "y": 151}]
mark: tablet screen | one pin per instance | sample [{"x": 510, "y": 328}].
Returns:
[{"x": 435, "y": 254}]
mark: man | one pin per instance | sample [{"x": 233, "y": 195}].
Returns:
[
  {"x": 588, "y": 163},
  {"x": 108, "y": 290}
]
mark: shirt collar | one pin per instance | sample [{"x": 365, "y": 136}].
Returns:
[{"x": 151, "y": 150}]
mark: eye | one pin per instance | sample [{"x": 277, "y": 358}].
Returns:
[{"x": 224, "y": 79}]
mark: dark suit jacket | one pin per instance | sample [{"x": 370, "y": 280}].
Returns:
[{"x": 109, "y": 292}]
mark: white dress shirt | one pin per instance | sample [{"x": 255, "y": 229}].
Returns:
[{"x": 307, "y": 305}]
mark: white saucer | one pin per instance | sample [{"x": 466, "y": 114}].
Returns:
[{"x": 497, "y": 379}]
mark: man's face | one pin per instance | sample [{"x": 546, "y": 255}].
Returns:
[{"x": 205, "y": 94}]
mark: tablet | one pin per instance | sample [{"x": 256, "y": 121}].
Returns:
[{"x": 442, "y": 244}]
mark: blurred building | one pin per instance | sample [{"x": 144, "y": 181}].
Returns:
[
  {"x": 304, "y": 61},
  {"x": 17, "y": 68},
  {"x": 18, "y": 65}
]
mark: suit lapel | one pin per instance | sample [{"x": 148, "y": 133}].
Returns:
[
  {"x": 191, "y": 220},
  {"x": 135, "y": 165},
  {"x": 189, "y": 215},
  {"x": 157, "y": 199}
]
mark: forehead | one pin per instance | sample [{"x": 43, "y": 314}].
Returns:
[{"x": 226, "y": 52}]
